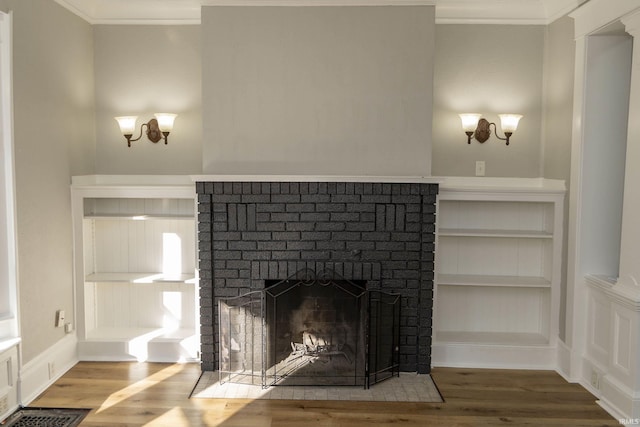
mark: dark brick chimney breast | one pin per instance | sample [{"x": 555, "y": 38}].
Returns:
[{"x": 251, "y": 232}]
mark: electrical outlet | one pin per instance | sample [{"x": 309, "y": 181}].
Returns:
[
  {"x": 480, "y": 168},
  {"x": 52, "y": 370},
  {"x": 68, "y": 327},
  {"x": 595, "y": 379},
  {"x": 4, "y": 404}
]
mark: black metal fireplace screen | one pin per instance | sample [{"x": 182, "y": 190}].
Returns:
[{"x": 313, "y": 328}]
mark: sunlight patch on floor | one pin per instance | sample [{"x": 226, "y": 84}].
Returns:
[{"x": 151, "y": 380}]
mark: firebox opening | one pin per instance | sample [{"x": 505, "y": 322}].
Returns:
[
  {"x": 316, "y": 331},
  {"x": 313, "y": 328}
]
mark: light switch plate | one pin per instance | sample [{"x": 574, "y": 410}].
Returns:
[{"x": 59, "y": 318}]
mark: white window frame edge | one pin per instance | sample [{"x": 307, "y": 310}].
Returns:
[{"x": 12, "y": 328}]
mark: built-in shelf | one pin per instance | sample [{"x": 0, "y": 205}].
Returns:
[
  {"x": 140, "y": 278},
  {"x": 477, "y": 232},
  {"x": 493, "y": 281},
  {"x": 497, "y": 278},
  {"x": 127, "y": 237}
]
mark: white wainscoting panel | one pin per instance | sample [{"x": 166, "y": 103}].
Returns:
[{"x": 8, "y": 378}]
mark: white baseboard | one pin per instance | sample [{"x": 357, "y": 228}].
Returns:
[
  {"x": 564, "y": 362},
  {"x": 35, "y": 375},
  {"x": 494, "y": 356},
  {"x": 618, "y": 399}
]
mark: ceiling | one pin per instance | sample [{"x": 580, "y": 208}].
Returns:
[{"x": 536, "y": 12}]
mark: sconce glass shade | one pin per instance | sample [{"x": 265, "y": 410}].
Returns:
[
  {"x": 127, "y": 124},
  {"x": 509, "y": 122},
  {"x": 469, "y": 121},
  {"x": 165, "y": 121}
]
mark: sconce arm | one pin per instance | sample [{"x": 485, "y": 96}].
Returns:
[
  {"x": 129, "y": 139},
  {"x": 506, "y": 134},
  {"x": 153, "y": 133},
  {"x": 495, "y": 131}
]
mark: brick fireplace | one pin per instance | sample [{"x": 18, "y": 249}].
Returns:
[{"x": 251, "y": 233}]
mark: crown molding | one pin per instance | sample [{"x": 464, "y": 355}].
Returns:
[
  {"x": 187, "y": 12},
  {"x": 597, "y": 14}
]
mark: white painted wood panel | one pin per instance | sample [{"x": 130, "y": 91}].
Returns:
[
  {"x": 598, "y": 327},
  {"x": 622, "y": 340},
  {"x": 493, "y": 338},
  {"x": 8, "y": 377},
  {"x": 153, "y": 246},
  {"x": 494, "y": 281},
  {"x": 125, "y": 207},
  {"x": 493, "y": 310},
  {"x": 496, "y": 215},
  {"x": 494, "y": 256},
  {"x": 128, "y": 305}
]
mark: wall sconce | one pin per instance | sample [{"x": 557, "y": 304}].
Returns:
[
  {"x": 157, "y": 128},
  {"x": 480, "y": 129}
]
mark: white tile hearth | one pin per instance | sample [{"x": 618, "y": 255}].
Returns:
[{"x": 408, "y": 387}]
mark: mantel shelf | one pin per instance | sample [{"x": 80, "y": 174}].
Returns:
[
  {"x": 477, "y": 232},
  {"x": 495, "y": 281},
  {"x": 141, "y": 278}
]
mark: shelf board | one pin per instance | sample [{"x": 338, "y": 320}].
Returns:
[
  {"x": 138, "y": 217},
  {"x": 491, "y": 338},
  {"x": 140, "y": 278},
  {"x": 472, "y": 232},
  {"x": 495, "y": 281}
]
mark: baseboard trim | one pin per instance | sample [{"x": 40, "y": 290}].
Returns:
[
  {"x": 563, "y": 367},
  {"x": 618, "y": 399}
]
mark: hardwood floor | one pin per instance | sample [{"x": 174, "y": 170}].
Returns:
[{"x": 154, "y": 394}]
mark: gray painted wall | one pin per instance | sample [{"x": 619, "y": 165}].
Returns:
[
  {"x": 488, "y": 69},
  {"x": 606, "y": 112},
  {"x": 558, "y": 119},
  {"x": 141, "y": 70},
  {"x": 54, "y": 139},
  {"x": 317, "y": 90},
  {"x": 63, "y": 129}
]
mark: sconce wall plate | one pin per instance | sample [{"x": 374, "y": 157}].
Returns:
[
  {"x": 483, "y": 131},
  {"x": 153, "y": 131}
]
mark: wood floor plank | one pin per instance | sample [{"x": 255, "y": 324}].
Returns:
[{"x": 155, "y": 394}]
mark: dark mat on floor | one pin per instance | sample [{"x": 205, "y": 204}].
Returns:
[{"x": 46, "y": 417}]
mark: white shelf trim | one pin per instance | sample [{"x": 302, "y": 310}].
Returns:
[
  {"x": 138, "y": 217},
  {"x": 145, "y": 334},
  {"x": 140, "y": 278},
  {"x": 318, "y": 178},
  {"x": 478, "y": 232},
  {"x": 494, "y": 338},
  {"x": 492, "y": 281}
]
